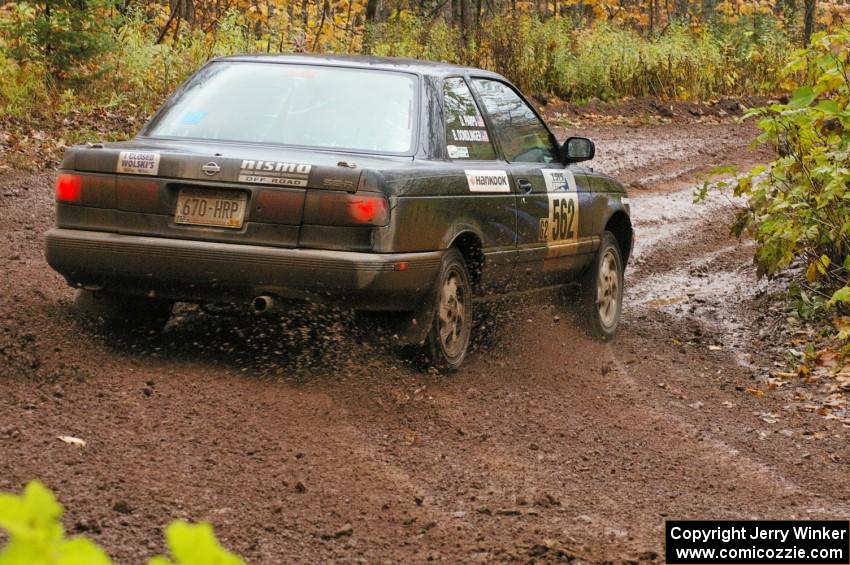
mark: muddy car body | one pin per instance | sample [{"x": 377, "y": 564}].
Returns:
[{"x": 383, "y": 184}]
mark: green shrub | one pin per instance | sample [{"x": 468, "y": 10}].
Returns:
[
  {"x": 22, "y": 86},
  {"x": 609, "y": 62},
  {"x": 800, "y": 205},
  {"x": 413, "y": 37},
  {"x": 36, "y": 536},
  {"x": 107, "y": 61},
  {"x": 63, "y": 34},
  {"x": 603, "y": 61}
]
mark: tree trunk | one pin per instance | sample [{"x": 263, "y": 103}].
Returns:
[
  {"x": 324, "y": 7},
  {"x": 809, "y": 21},
  {"x": 371, "y": 10},
  {"x": 464, "y": 25},
  {"x": 708, "y": 7},
  {"x": 651, "y": 17},
  {"x": 175, "y": 8}
]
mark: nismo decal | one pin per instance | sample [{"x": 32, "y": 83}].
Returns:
[{"x": 274, "y": 172}]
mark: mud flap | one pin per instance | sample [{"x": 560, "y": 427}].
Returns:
[{"x": 413, "y": 327}]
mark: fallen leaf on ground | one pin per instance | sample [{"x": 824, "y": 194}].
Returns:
[
  {"x": 841, "y": 323},
  {"x": 755, "y": 391},
  {"x": 666, "y": 301},
  {"x": 71, "y": 440},
  {"x": 827, "y": 358},
  {"x": 769, "y": 417}
]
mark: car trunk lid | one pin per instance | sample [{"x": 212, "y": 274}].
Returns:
[{"x": 260, "y": 191}]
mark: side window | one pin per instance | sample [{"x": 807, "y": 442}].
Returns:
[
  {"x": 521, "y": 134},
  {"x": 466, "y": 135}
]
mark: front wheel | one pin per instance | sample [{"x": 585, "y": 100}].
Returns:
[
  {"x": 451, "y": 328},
  {"x": 602, "y": 290}
]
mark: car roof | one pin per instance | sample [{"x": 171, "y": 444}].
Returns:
[{"x": 429, "y": 68}]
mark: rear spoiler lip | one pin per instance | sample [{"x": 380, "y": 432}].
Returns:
[{"x": 177, "y": 166}]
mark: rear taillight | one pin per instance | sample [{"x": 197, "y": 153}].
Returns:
[
  {"x": 344, "y": 209},
  {"x": 86, "y": 189},
  {"x": 368, "y": 210},
  {"x": 69, "y": 188}
]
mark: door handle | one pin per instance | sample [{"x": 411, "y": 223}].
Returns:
[{"x": 524, "y": 185}]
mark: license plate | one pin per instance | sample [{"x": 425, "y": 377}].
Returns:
[{"x": 218, "y": 208}]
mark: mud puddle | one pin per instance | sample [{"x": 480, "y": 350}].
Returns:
[{"x": 711, "y": 285}]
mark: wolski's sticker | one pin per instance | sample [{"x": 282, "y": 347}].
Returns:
[
  {"x": 138, "y": 163},
  {"x": 274, "y": 172},
  {"x": 458, "y": 152},
  {"x": 488, "y": 181},
  {"x": 559, "y": 180}
]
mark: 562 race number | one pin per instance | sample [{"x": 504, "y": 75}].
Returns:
[{"x": 562, "y": 223}]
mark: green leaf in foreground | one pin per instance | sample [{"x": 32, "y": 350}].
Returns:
[
  {"x": 195, "y": 544},
  {"x": 841, "y": 295},
  {"x": 36, "y": 536},
  {"x": 802, "y": 97}
]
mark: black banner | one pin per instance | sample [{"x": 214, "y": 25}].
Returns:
[{"x": 757, "y": 542}]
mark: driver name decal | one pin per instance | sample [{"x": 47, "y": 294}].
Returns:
[
  {"x": 488, "y": 181},
  {"x": 274, "y": 172}
]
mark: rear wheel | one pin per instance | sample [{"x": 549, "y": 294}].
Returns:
[
  {"x": 448, "y": 339},
  {"x": 124, "y": 312},
  {"x": 602, "y": 290}
]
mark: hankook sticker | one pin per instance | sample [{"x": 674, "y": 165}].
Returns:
[
  {"x": 138, "y": 163},
  {"x": 488, "y": 181},
  {"x": 274, "y": 172}
]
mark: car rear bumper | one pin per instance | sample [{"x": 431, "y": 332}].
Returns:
[{"x": 203, "y": 271}]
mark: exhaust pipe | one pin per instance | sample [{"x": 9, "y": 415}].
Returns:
[{"x": 263, "y": 304}]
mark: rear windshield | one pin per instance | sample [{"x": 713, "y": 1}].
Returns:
[{"x": 322, "y": 107}]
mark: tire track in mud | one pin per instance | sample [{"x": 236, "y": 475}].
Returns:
[{"x": 546, "y": 446}]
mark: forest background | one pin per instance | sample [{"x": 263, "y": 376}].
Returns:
[{"x": 75, "y": 69}]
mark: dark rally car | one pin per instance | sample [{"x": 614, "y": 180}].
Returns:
[{"x": 376, "y": 184}]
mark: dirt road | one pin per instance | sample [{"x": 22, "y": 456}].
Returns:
[{"x": 306, "y": 440}]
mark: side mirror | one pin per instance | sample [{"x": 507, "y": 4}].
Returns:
[{"x": 577, "y": 149}]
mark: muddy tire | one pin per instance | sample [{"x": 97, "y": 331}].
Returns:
[
  {"x": 448, "y": 339},
  {"x": 602, "y": 290},
  {"x": 124, "y": 312}
]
